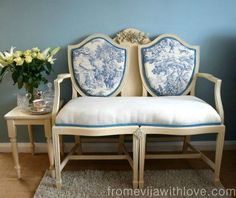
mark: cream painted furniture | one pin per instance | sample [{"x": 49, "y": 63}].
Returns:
[
  {"x": 169, "y": 71},
  {"x": 17, "y": 117},
  {"x": 100, "y": 71},
  {"x": 166, "y": 68}
]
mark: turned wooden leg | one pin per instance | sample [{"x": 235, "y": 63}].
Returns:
[
  {"x": 135, "y": 160},
  {"x": 218, "y": 155},
  {"x": 12, "y": 135},
  {"x": 142, "y": 159},
  {"x": 48, "y": 135},
  {"x": 187, "y": 139},
  {"x": 31, "y": 138},
  {"x": 56, "y": 148}
]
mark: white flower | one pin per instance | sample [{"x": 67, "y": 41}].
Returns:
[
  {"x": 9, "y": 60},
  {"x": 51, "y": 60},
  {"x": 19, "y": 61},
  {"x": 2, "y": 63},
  {"x": 18, "y": 53},
  {"x": 35, "y": 49},
  {"x": 45, "y": 53},
  {"x": 54, "y": 51},
  {"x": 7, "y": 56},
  {"x": 28, "y": 59},
  {"x": 40, "y": 56},
  {"x": 27, "y": 52},
  {"x": 12, "y": 50},
  {"x": 34, "y": 55}
]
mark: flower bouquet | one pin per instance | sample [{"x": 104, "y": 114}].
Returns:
[{"x": 28, "y": 68}]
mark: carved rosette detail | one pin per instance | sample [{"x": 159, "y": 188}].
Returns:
[
  {"x": 138, "y": 133},
  {"x": 132, "y": 36}
]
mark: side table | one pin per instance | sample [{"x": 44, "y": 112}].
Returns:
[{"x": 17, "y": 117}]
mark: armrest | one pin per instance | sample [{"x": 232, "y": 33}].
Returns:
[
  {"x": 61, "y": 77},
  {"x": 217, "y": 92},
  {"x": 57, "y": 94},
  {"x": 209, "y": 77}
]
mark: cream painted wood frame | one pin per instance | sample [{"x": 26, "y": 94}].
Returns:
[
  {"x": 58, "y": 131},
  {"x": 185, "y": 131}
]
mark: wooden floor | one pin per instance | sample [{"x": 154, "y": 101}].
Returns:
[{"x": 33, "y": 168}]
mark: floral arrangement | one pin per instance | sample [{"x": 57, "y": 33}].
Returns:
[{"x": 28, "y": 68}]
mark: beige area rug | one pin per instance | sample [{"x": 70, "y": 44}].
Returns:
[{"x": 159, "y": 183}]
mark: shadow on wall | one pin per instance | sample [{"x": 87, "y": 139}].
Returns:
[{"x": 218, "y": 57}]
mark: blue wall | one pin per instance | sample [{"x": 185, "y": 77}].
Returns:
[{"x": 208, "y": 23}]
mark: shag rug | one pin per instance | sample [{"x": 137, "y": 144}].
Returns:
[{"x": 158, "y": 183}]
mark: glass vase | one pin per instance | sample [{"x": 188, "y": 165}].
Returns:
[{"x": 23, "y": 101}]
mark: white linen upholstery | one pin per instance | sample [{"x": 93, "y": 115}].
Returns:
[{"x": 172, "y": 111}]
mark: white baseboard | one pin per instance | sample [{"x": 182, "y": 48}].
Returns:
[{"x": 112, "y": 147}]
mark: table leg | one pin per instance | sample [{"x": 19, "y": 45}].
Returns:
[
  {"x": 12, "y": 135},
  {"x": 48, "y": 135},
  {"x": 31, "y": 138}
]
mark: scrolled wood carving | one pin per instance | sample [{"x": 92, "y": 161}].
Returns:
[{"x": 132, "y": 36}]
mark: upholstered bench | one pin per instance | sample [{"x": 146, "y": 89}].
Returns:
[
  {"x": 169, "y": 67},
  {"x": 166, "y": 111},
  {"x": 98, "y": 69},
  {"x": 112, "y": 85}
]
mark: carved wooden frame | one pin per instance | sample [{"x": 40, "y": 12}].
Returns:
[{"x": 135, "y": 87}]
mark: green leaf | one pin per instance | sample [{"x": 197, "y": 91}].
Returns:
[
  {"x": 20, "y": 82},
  {"x": 49, "y": 66},
  {"x": 14, "y": 77},
  {"x": 3, "y": 72},
  {"x": 30, "y": 80}
]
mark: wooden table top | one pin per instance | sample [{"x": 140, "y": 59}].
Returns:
[{"x": 18, "y": 113}]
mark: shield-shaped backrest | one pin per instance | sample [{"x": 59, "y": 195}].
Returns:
[
  {"x": 98, "y": 66},
  {"x": 167, "y": 65}
]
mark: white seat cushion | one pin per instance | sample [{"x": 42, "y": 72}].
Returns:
[{"x": 169, "y": 111}]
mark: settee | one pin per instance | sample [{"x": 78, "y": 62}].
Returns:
[{"x": 130, "y": 85}]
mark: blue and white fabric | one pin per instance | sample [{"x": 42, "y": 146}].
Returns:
[
  {"x": 99, "y": 67},
  {"x": 168, "y": 111},
  {"x": 168, "y": 66}
]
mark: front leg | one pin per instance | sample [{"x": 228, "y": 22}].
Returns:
[
  {"x": 135, "y": 160},
  {"x": 12, "y": 135},
  {"x": 48, "y": 135},
  {"x": 56, "y": 148},
  {"x": 31, "y": 138}
]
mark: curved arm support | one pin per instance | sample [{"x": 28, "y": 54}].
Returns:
[
  {"x": 57, "y": 95},
  {"x": 217, "y": 93}
]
